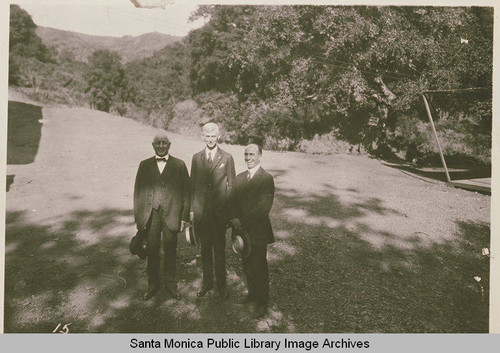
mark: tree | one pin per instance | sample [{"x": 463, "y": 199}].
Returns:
[
  {"x": 105, "y": 79},
  {"x": 26, "y": 50},
  {"x": 332, "y": 68},
  {"x": 157, "y": 81}
]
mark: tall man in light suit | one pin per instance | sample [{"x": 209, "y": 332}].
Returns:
[
  {"x": 212, "y": 176},
  {"x": 161, "y": 205},
  {"x": 251, "y": 201}
]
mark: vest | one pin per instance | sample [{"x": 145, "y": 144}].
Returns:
[{"x": 158, "y": 186}]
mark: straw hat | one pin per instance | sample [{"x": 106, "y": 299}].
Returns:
[{"x": 241, "y": 243}]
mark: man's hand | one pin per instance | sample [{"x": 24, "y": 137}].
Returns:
[{"x": 236, "y": 223}]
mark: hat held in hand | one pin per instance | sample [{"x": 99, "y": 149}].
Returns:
[
  {"x": 139, "y": 244},
  {"x": 190, "y": 231},
  {"x": 190, "y": 235},
  {"x": 241, "y": 243}
]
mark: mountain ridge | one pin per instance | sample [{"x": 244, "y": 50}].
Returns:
[{"x": 80, "y": 45}]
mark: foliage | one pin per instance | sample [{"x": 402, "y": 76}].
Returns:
[
  {"x": 26, "y": 50},
  {"x": 105, "y": 79},
  {"x": 23, "y": 40},
  {"x": 187, "y": 119},
  {"x": 307, "y": 70},
  {"x": 327, "y": 144},
  {"x": 155, "y": 81}
]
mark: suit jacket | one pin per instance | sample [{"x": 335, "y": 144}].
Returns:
[
  {"x": 211, "y": 184},
  {"x": 251, "y": 202},
  {"x": 175, "y": 189}
]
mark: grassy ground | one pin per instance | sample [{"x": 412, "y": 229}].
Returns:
[{"x": 360, "y": 246}]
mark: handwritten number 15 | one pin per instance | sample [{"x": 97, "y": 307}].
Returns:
[{"x": 65, "y": 328}]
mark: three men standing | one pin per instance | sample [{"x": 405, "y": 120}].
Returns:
[
  {"x": 162, "y": 198},
  {"x": 212, "y": 177}
]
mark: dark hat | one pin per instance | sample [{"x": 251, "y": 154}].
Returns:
[
  {"x": 191, "y": 235},
  {"x": 138, "y": 244},
  {"x": 241, "y": 243}
]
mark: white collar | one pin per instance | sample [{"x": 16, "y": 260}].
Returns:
[
  {"x": 253, "y": 170},
  {"x": 165, "y": 156},
  {"x": 212, "y": 151}
]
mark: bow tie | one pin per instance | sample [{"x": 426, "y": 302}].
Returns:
[{"x": 161, "y": 159}]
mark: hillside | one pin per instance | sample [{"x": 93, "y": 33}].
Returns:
[
  {"x": 360, "y": 246},
  {"x": 82, "y": 45}
]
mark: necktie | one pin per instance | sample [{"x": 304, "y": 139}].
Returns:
[
  {"x": 210, "y": 157},
  {"x": 161, "y": 159},
  {"x": 249, "y": 176}
]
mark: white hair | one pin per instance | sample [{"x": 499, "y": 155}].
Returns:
[
  {"x": 162, "y": 135},
  {"x": 211, "y": 127}
]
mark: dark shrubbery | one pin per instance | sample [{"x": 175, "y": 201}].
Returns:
[{"x": 289, "y": 73}]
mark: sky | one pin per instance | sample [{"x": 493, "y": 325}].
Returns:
[
  {"x": 121, "y": 17},
  {"x": 113, "y": 17}
]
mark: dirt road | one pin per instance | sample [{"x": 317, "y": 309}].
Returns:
[{"x": 361, "y": 247}]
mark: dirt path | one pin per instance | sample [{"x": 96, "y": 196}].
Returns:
[{"x": 361, "y": 247}]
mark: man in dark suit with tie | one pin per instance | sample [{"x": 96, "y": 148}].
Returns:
[
  {"x": 212, "y": 176},
  {"x": 251, "y": 201},
  {"x": 161, "y": 206}
]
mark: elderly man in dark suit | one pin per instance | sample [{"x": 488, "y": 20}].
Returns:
[
  {"x": 251, "y": 202},
  {"x": 161, "y": 206},
  {"x": 212, "y": 176}
]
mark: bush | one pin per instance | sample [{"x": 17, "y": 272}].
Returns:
[
  {"x": 283, "y": 144},
  {"x": 225, "y": 110},
  {"x": 328, "y": 144},
  {"x": 159, "y": 119},
  {"x": 187, "y": 119},
  {"x": 119, "y": 109}
]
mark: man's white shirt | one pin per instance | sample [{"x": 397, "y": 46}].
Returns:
[
  {"x": 252, "y": 171},
  {"x": 161, "y": 164},
  {"x": 213, "y": 152}
]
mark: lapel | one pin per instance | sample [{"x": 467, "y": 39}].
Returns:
[
  {"x": 153, "y": 167},
  {"x": 217, "y": 160},
  {"x": 203, "y": 163},
  {"x": 254, "y": 181}
]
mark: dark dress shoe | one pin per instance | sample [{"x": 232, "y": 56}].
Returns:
[
  {"x": 260, "y": 311},
  {"x": 149, "y": 294},
  {"x": 203, "y": 292}
]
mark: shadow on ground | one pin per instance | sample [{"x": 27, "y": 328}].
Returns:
[
  {"x": 23, "y": 132},
  {"x": 342, "y": 276},
  {"x": 82, "y": 274},
  {"x": 438, "y": 173},
  {"x": 10, "y": 181},
  {"x": 329, "y": 272}
]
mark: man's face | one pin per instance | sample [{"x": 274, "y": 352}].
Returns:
[
  {"x": 252, "y": 156},
  {"x": 210, "y": 138},
  {"x": 161, "y": 146}
]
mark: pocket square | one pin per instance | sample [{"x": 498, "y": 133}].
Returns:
[{"x": 222, "y": 165}]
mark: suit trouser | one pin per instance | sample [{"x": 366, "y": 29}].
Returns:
[
  {"x": 257, "y": 274},
  {"x": 213, "y": 247},
  {"x": 158, "y": 226}
]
